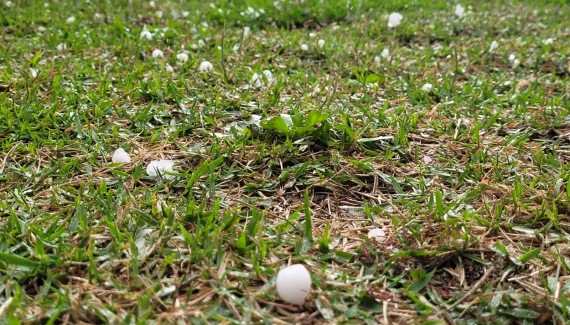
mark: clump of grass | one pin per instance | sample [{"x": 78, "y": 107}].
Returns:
[{"x": 163, "y": 161}]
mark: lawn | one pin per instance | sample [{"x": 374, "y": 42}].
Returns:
[{"x": 419, "y": 172}]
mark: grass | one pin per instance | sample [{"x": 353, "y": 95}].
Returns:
[{"x": 468, "y": 180}]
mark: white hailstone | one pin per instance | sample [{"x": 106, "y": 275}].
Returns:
[
  {"x": 159, "y": 14},
  {"x": 385, "y": 54},
  {"x": 459, "y": 10},
  {"x": 70, "y": 20},
  {"x": 156, "y": 53},
  {"x": 8, "y": 3},
  {"x": 169, "y": 68},
  {"x": 548, "y": 41},
  {"x": 121, "y": 156},
  {"x": 268, "y": 75},
  {"x": 152, "y": 4},
  {"x": 256, "y": 80},
  {"x": 376, "y": 234},
  {"x": 427, "y": 87},
  {"x": 41, "y": 29},
  {"x": 46, "y": 4},
  {"x": 321, "y": 43},
  {"x": 293, "y": 284},
  {"x": 160, "y": 167},
  {"x": 205, "y": 67},
  {"x": 185, "y": 14},
  {"x": 33, "y": 72},
  {"x": 235, "y": 48},
  {"x": 514, "y": 61},
  {"x": 201, "y": 43},
  {"x": 312, "y": 35},
  {"x": 394, "y": 19},
  {"x": 377, "y": 60},
  {"x": 61, "y": 46},
  {"x": 304, "y": 47},
  {"x": 493, "y": 47},
  {"x": 246, "y": 31},
  {"x": 182, "y": 57},
  {"x": 145, "y": 34}
]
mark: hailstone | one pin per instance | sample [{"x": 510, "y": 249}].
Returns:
[{"x": 293, "y": 284}]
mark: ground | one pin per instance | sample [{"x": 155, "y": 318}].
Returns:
[{"x": 467, "y": 179}]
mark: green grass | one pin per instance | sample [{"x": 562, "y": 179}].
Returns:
[{"x": 469, "y": 180}]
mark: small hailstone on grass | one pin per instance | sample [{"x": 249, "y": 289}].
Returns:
[
  {"x": 41, "y": 29},
  {"x": 160, "y": 167},
  {"x": 8, "y": 3},
  {"x": 427, "y": 87},
  {"x": 182, "y": 57},
  {"x": 33, "y": 72},
  {"x": 513, "y": 60},
  {"x": 376, "y": 234},
  {"x": 70, "y": 20},
  {"x": 548, "y": 41},
  {"x": 293, "y": 284},
  {"x": 515, "y": 63},
  {"x": 152, "y": 4},
  {"x": 169, "y": 68},
  {"x": 157, "y": 54},
  {"x": 121, "y": 156},
  {"x": 459, "y": 10},
  {"x": 256, "y": 80},
  {"x": 377, "y": 60},
  {"x": 185, "y": 14},
  {"x": 304, "y": 47},
  {"x": 145, "y": 34},
  {"x": 201, "y": 43},
  {"x": 321, "y": 43},
  {"x": 312, "y": 35},
  {"x": 159, "y": 14},
  {"x": 394, "y": 19},
  {"x": 205, "y": 67},
  {"x": 493, "y": 47},
  {"x": 61, "y": 46},
  {"x": 268, "y": 75},
  {"x": 246, "y": 31},
  {"x": 385, "y": 54}
]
